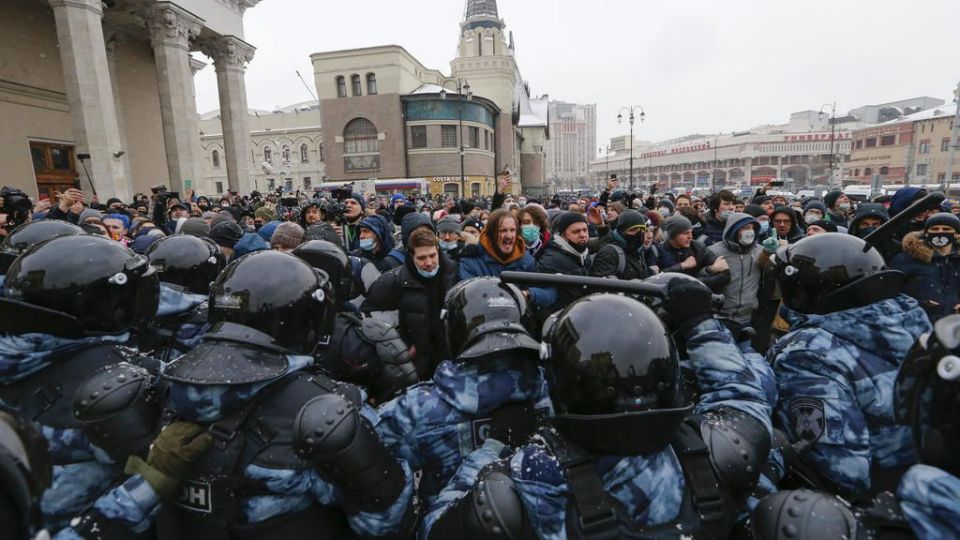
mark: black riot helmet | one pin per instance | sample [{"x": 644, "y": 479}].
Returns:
[
  {"x": 833, "y": 272},
  {"x": 484, "y": 315},
  {"x": 330, "y": 258},
  {"x": 615, "y": 377},
  {"x": 29, "y": 234},
  {"x": 188, "y": 261},
  {"x": 96, "y": 284},
  {"x": 277, "y": 294},
  {"x": 16, "y": 205},
  {"x": 927, "y": 395},
  {"x": 118, "y": 409}
]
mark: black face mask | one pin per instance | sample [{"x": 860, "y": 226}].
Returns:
[
  {"x": 940, "y": 240},
  {"x": 634, "y": 242},
  {"x": 862, "y": 233},
  {"x": 578, "y": 247}
]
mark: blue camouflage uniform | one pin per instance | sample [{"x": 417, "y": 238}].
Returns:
[
  {"x": 434, "y": 425},
  {"x": 184, "y": 315},
  {"x": 290, "y": 491},
  {"x": 82, "y": 472},
  {"x": 836, "y": 374},
  {"x": 133, "y": 504},
  {"x": 930, "y": 500},
  {"x": 650, "y": 487}
]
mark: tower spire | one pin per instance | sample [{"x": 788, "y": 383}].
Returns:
[{"x": 481, "y": 13}]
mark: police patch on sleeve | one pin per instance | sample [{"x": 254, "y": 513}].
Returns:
[{"x": 809, "y": 421}]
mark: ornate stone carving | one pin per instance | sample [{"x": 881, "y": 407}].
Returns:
[
  {"x": 228, "y": 52},
  {"x": 170, "y": 25}
]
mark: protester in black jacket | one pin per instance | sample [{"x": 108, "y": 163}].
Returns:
[
  {"x": 417, "y": 290},
  {"x": 619, "y": 252},
  {"x": 567, "y": 254},
  {"x": 681, "y": 253}
]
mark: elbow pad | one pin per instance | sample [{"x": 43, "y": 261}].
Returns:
[
  {"x": 347, "y": 452},
  {"x": 492, "y": 509}
]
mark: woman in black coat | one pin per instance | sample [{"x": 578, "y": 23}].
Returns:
[{"x": 417, "y": 290}]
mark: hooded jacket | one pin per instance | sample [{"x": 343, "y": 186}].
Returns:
[
  {"x": 794, "y": 235},
  {"x": 712, "y": 231},
  {"x": 931, "y": 278},
  {"x": 740, "y": 294},
  {"x": 836, "y": 374},
  {"x": 867, "y": 210},
  {"x": 381, "y": 229},
  {"x": 409, "y": 223}
]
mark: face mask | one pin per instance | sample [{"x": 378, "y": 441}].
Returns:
[
  {"x": 810, "y": 217},
  {"x": 725, "y": 214},
  {"x": 531, "y": 233},
  {"x": 448, "y": 246},
  {"x": 367, "y": 244},
  {"x": 939, "y": 240},
  {"x": 862, "y": 233},
  {"x": 429, "y": 275},
  {"x": 665, "y": 212},
  {"x": 747, "y": 237},
  {"x": 844, "y": 206},
  {"x": 764, "y": 226}
]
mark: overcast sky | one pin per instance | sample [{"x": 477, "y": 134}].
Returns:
[{"x": 696, "y": 66}]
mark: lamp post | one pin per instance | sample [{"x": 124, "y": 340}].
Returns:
[
  {"x": 463, "y": 93},
  {"x": 954, "y": 142},
  {"x": 833, "y": 133},
  {"x": 632, "y": 118},
  {"x": 606, "y": 152}
]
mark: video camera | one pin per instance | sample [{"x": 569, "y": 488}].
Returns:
[{"x": 335, "y": 211}]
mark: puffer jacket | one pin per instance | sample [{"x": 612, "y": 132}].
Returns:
[
  {"x": 740, "y": 294},
  {"x": 932, "y": 278},
  {"x": 561, "y": 258}
]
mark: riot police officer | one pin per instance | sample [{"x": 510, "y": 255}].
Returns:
[
  {"x": 70, "y": 303},
  {"x": 626, "y": 459},
  {"x": 850, "y": 330},
  {"x": 493, "y": 388},
  {"x": 294, "y": 454},
  {"x": 28, "y": 234},
  {"x": 186, "y": 266}
]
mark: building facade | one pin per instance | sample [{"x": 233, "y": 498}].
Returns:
[
  {"x": 112, "y": 82},
  {"x": 572, "y": 145}
]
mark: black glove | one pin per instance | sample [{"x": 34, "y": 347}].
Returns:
[{"x": 688, "y": 303}]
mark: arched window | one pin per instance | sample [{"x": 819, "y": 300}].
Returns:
[
  {"x": 361, "y": 146},
  {"x": 267, "y": 155},
  {"x": 355, "y": 83},
  {"x": 371, "y": 84},
  {"x": 868, "y": 172},
  {"x": 320, "y": 150},
  {"x": 884, "y": 170},
  {"x": 215, "y": 156},
  {"x": 341, "y": 86},
  {"x": 286, "y": 154},
  {"x": 304, "y": 153}
]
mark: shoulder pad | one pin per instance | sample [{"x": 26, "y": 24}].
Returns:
[
  {"x": 804, "y": 515},
  {"x": 492, "y": 509},
  {"x": 739, "y": 446}
]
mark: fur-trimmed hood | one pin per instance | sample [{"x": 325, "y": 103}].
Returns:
[{"x": 916, "y": 247}]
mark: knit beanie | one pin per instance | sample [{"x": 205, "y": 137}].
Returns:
[
  {"x": 943, "y": 218},
  {"x": 830, "y": 199},
  {"x": 565, "y": 219},
  {"x": 288, "y": 235},
  {"x": 656, "y": 220},
  {"x": 89, "y": 213},
  {"x": 267, "y": 230},
  {"x": 754, "y": 210},
  {"x": 825, "y": 225},
  {"x": 265, "y": 214},
  {"x": 196, "y": 227},
  {"x": 814, "y": 204},
  {"x": 221, "y": 217},
  {"x": 618, "y": 207},
  {"x": 676, "y": 225},
  {"x": 448, "y": 224},
  {"x": 226, "y": 234},
  {"x": 667, "y": 203}
]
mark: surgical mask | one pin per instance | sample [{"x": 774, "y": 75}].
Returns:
[
  {"x": 725, "y": 214},
  {"x": 764, "y": 227},
  {"x": 430, "y": 274},
  {"x": 747, "y": 237},
  {"x": 862, "y": 233},
  {"x": 811, "y": 217},
  {"x": 531, "y": 233},
  {"x": 448, "y": 246},
  {"x": 844, "y": 206},
  {"x": 665, "y": 212},
  {"x": 939, "y": 240},
  {"x": 367, "y": 244}
]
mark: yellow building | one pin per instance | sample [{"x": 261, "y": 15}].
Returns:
[{"x": 932, "y": 130}]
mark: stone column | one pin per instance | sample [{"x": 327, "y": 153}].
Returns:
[
  {"x": 113, "y": 42},
  {"x": 171, "y": 29},
  {"x": 230, "y": 55},
  {"x": 202, "y": 179},
  {"x": 93, "y": 110}
]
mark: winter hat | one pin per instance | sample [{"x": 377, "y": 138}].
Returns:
[
  {"x": 467, "y": 207},
  {"x": 825, "y": 225},
  {"x": 830, "y": 199},
  {"x": 631, "y": 219},
  {"x": 196, "y": 227},
  {"x": 266, "y": 232},
  {"x": 89, "y": 213},
  {"x": 401, "y": 213},
  {"x": 379, "y": 226},
  {"x": 656, "y": 220},
  {"x": 288, "y": 235},
  {"x": 617, "y": 195},
  {"x": 618, "y": 207},
  {"x": 360, "y": 200},
  {"x": 869, "y": 209},
  {"x": 222, "y": 216},
  {"x": 396, "y": 197},
  {"x": 265, "y": 214},
  {"x": 248, "y": 244},
  {"x": 754, "y": 210},
  {"x": 142, "y": 243},
  {"x": 676, "y": 225},
  {"x": 904, "y": 197},
  {"x": 208, "y": 215},
  {"x": 413, "y": 221},
  {"x": 475, "y": 223},
  {"x": 448, "y": 224},
  {"x": 760, "y": 199},
  {"x": 667, "y": 203},
  {"x": 122, "y": 217},
  {"x": 565, "y": 219},
  {"x": 943, "y": 218},
  {"x": 814, "y": 204},
  {"x": 226, "y": 234}
]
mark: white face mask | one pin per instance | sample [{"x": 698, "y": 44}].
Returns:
[
  {"x": 747, "y": 237},
  {"x": 810, "y": 217}
]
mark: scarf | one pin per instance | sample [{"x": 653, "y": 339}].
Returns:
[{"x": 519, "y": 250}]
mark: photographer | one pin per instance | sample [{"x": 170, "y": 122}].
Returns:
[{"x": 345, "y": 214}]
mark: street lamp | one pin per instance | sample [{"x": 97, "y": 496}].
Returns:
[
  {"x": 833, "y": 132},
  {"x": 605, "y": 150},
  {"x": 463, "y": 92},
  {"x": 632, "y": 118}
]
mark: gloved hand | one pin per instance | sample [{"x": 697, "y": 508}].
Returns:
[
  {"x": 688, "y": 303},
  {"x": 770, "y": 245},
  {"x": 171, "y": 454}
]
